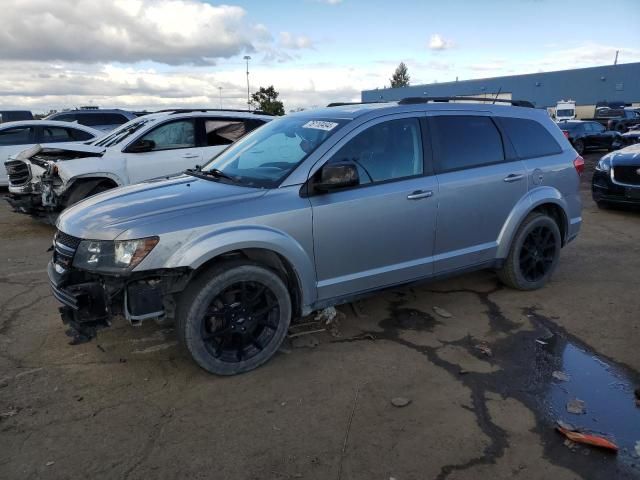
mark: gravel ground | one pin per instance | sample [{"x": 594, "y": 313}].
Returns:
[{"x": 131, "y": 405}]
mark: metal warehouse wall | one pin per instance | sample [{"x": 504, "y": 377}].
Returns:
[{"x": 586, "y": 86}]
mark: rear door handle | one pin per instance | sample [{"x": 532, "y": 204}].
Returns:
[
  {"x": 190, "y": 155},
  {"x": 418, "y": 194},
  {"x": 514, "y": 177}
]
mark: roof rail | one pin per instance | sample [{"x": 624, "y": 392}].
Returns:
[
  {"x": 343, "y": 104},
  {"x": 415, "y": 100},
  {"x": 188, "y": 110}
]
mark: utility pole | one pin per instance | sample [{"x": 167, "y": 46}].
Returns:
[
  {"x": 615, "y": 62},
  {"x": 220, "y": 90},
  {"x": 247, "y": 58}
]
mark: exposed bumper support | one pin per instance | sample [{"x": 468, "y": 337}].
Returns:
[{"x": 91, "y": 301}]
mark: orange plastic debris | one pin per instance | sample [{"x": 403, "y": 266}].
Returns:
[{"x": 588, "y": 439}]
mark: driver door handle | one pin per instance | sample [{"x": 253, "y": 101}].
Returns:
[
  {"x": 514, "y": 177},
  {"x": 418, "y": 194},
  {"x": 190, "y": 155}
]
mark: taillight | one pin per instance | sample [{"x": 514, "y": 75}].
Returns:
[
  {"x": 566, "y": 134},
  {"x": 578, "y": 164}
]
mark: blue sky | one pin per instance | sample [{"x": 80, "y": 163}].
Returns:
[
  {"x": 152, "y": 53},
  {"x": 358, "y": 32}
]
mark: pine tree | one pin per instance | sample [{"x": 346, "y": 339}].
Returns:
[{"x": 400, "y": 77}]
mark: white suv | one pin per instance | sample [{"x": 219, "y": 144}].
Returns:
[{"x": 45, "y": 179}]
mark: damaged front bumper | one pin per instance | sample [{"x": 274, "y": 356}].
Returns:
[{"x": 91, "y": 301}]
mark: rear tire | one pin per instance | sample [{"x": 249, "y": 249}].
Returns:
[
  {"x": 534, "y": 253},
  {"x": 233, "y": 317}
]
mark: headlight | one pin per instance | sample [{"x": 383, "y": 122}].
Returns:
[
  {"x": 112, "y": 256},
  {"x": 604, "y": 165}
]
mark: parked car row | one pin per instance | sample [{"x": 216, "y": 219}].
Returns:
[
  {"x": 20, "y": 135},
  {"x": 49, "y": 177},
  {"x": 301, "y": 213}
]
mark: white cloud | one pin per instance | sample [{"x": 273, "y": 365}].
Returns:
[
  {"x": 329, "y": 2},
  {"x": 438, "y": 42},
  {"x": 167, "y": 31},
  {"x": 293, "y": 42}
]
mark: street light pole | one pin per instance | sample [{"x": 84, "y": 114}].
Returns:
[
  {"x": 247, "y": 58},
  {"x": 220, "y": 90}
]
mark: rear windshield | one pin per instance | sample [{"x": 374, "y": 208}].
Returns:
[
  {"x": 100, "y": 119},
  {"x": 565, "y": 113},
  {"x": 266, "y": 156}
]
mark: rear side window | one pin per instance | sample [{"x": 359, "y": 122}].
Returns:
[
  {"x": 55, "y": 134},
  {"x": 98, "y": 119},
  {"x": 79, "y": 135},
  {"x": 16, "y": 136},
  {"x": 465, "y": 141},
  {"x": 529, "y": 138},
  {"x": 224, "y": 131}
]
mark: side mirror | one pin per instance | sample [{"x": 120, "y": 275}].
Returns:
[
  {"x": 142, "y": 146},
  {"x": 334, "y": 176}
]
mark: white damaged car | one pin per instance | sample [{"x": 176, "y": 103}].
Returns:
[{"x": 46, "y": 178}]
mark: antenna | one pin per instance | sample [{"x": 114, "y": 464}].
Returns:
[
  {"x": 497, "y": 95},
  {"x": 615, "y": 62}
]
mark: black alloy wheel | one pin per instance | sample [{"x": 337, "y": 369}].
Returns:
[
  {"x": 234, "y": 316},
  {"x": 537, "y": 253},
  {"x": 240, "y": 321}
]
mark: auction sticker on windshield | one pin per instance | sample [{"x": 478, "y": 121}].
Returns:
[{"x": 320, "y": 125}]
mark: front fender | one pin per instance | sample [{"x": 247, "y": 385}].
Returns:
[
  {"x": 200, "y": 249},
  {"x": 524, "y": 207}
]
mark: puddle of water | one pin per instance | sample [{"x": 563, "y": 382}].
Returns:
[{"x": 607, "y": 391}]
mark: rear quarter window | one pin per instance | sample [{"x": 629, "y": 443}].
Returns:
[
  {"x": 529, "y": 138},
  {"x": 465, "y": 141}
]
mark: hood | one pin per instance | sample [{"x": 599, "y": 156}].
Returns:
[
  {"x": 627, "y": 156},
  {"x": 109, "y": 214},
  {"x": 60, "y": 151}
]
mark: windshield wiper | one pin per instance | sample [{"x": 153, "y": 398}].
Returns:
[{"x": 214, "y": 172}]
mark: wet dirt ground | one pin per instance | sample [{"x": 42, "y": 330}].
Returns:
[{"x": 483, "y": 395}]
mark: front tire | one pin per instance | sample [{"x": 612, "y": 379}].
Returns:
[
  {"x": 233, "y": 317},
  {"x": 534, "y": 253}
]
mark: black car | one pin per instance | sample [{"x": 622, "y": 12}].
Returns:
[
  {"x": 617, "y": 177},
  {"x": 632, "y": 136},
  {"x": 590, "y": 135}
]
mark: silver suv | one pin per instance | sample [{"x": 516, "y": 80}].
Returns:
[{"x": 315, "y": 209}]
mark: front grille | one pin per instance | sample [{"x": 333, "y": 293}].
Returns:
[
  {"x": 627, "y": 174},
  {"x": 18, "y": 172},
  {"x": 67, "y": 240},
  {"x": 65, "y": 247}
]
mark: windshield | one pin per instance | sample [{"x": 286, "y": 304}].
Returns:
[
  {"x": 268, "y": 154},
  {"x": 565, "y": 113},
  {"x": 123, "y": 132}
]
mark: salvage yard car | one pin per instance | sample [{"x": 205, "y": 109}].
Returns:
[
  {"x": 590, "y": 136},
  {"x": 16, "y": 136},
  {"x": 616, "y": 179},
  {"x": 98, "y": 118},
  {"x": 46, "y": 179},
  {"x": 315, "y": 209}
]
